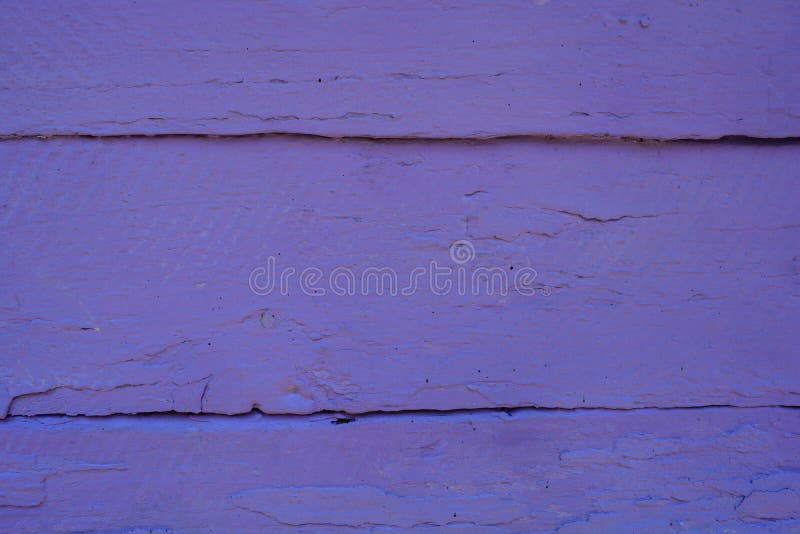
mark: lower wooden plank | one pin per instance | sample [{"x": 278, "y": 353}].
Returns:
[{"x": 712, "y": 469}]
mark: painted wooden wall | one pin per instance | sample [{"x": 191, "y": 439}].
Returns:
[{"x": 629, "y": 169}]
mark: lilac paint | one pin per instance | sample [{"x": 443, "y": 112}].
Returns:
[
  {"x": 665, "y": 275},
  {"x": 641, "y": 377},
  {"x": 670, "y": 69},
  {"x": 531, "y": 471}
]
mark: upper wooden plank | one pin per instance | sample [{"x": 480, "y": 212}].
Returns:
[{"x": 672, "y": 69}]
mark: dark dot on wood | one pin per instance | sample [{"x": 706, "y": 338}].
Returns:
[{"x": 342, "y": 420}]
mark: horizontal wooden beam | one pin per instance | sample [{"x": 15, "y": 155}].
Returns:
[
  {"x": 657, "y": 275},
  {"x": 674, "y": 470},
  {"x": 672, "y": 69}
]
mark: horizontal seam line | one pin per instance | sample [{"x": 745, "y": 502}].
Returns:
[
  {"x": 549, "y": 138},
  {"x": 510, "y": 410}
]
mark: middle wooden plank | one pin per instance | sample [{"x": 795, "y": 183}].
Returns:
[{"x": 136, "y": 275}]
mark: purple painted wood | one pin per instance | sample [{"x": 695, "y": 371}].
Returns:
[
  {"x": 732, "y": 470},
  {"x": 671, "y": 69},
  {"x": 646, "y": 278},
  {"x": 666, "y": 275}
]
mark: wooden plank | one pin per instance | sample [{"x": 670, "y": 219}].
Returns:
[
  {"x": 666, "y": 275},
  {"x": 672, "y": 69},
  {"x": 719, "y": 469}
]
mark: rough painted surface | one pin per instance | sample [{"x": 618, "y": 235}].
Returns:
[
  {"x": 671, "y": 69},
  {"x": 667, "y": 275},
  {"x": 707, "y": 470},
  {"x": 658, "y": 274}
]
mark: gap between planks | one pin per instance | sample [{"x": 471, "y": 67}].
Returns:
[
  {"x": 535, "y": 138},
  {"x": 339, "y": 417}
]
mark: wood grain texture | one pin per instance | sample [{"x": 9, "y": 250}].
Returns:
[
  {"x": 720, "y": 470},
  {"x": 672, "y": 69},
  {"x": 667, "y": 275}
]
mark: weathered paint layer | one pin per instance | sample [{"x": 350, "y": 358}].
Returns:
[
  {"x": 669, "y": 69},
  {"x": 666, "y": 275},
  {"x": 731, "y": 470},
  {"x": 662, "y": 274}
]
